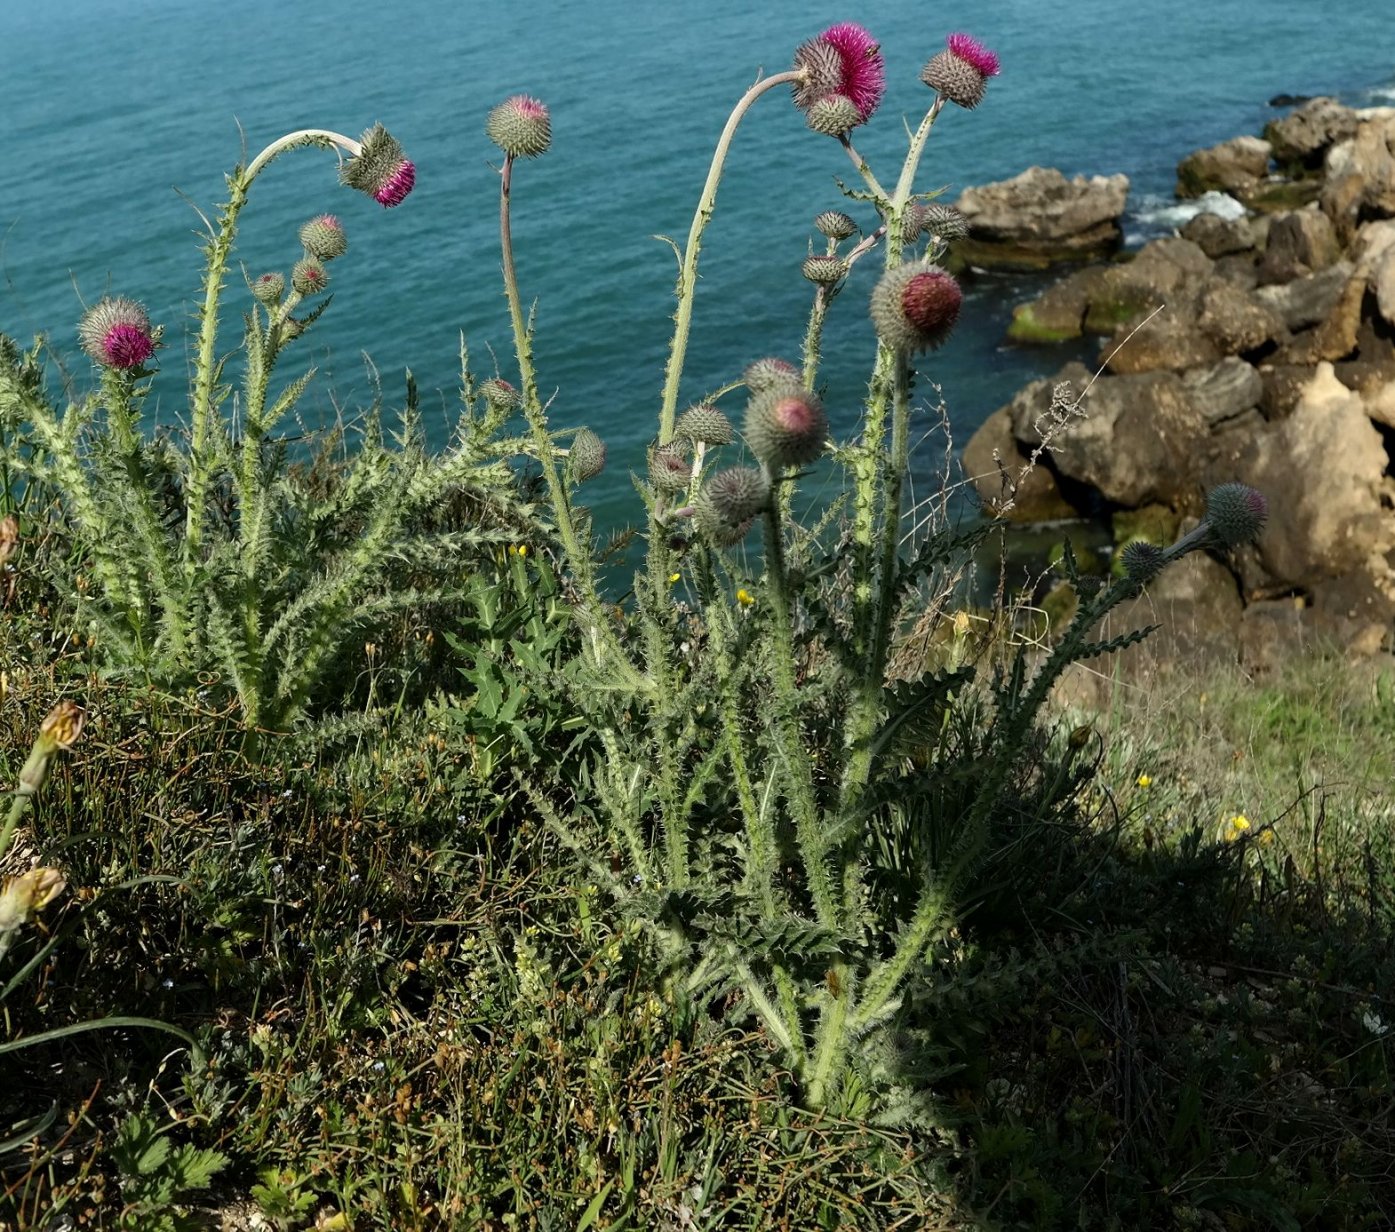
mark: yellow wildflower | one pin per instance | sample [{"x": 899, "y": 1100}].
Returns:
[
  {"x": 673, "y": 577},
  {"x": 1145, "y": 781},
  {"x": 745, "y": 597},
  {"x": 1236, "y": 828}
]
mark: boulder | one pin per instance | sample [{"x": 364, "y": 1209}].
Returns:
[
  {"x": 1322, "y": 470},
  {"x": 1196, "y": 604},
  {"x": 1236, "y": 166},
  {"x": 1306, "y": 301},
  {"x": 1001, "y": 471},
  {"x": 1301, "y": 138},
  {"x": 1133, "y": 439},
  {"x": 1171, "y": 341},
  {"x": 1059, "y": 312},
  {"x": 1039, "y": 217},
  {"x": 1300, "y": 242},
  {"x": 1168, "y": 271},
  {"x": 1359, "y": 173},
  {"x": 1272, "y": 632},
  {"x": 1225, "y": 391},
  {"x": 1355, "y": 611},
  {"x": 1219, "y": 237},
  {"x": 1380, "y": 404},
  {"x": 1335, "y": 337},
  {"x": 1282, "y": 385},
  {"x": 1237, "y": 320}
]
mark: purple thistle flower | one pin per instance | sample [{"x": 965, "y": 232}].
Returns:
[
  {"x": 379, "y": 168},
  {"x": 846, "y": 61},
  {"x": 961, "y": 72},
  {"x": 116, "y": 333},
  {"x": 970, "y": 50}
]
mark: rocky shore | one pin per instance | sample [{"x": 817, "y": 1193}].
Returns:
[{"x": 1257, "y": 344}]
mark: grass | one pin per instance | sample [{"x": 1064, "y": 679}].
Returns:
[{"x": 413, "y": 1013}]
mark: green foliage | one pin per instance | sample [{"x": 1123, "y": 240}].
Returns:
[{"x": 157, "y": 1175}]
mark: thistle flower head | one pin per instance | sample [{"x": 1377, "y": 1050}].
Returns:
[
  {"x": 706, "y": 424},
  {"x": 586, "y": 458},
  {"x": 833, "y": 115},
  {"x": 520, "y": 126},
  {"x": 835, "y": 225},
  {"x": 915, "y": 306},
  {"x": 961, "y": 71},
  {"x": 323, "y": 238},
  {"x": 268, "y": 289},
  {"x": 823, "y": 270},
  {"x": 1142, "y": 561},
  {"x": 115, "y": 332},
  {"x": 786, "y": 426},
  {"x": 27, "y": 894},
  {"x": 668, "y": 469},
  {"x": 500, "y": 395},
  {"x": 62, "y": 726},
  {"x": 845, "y": 62},
  {"x": 913, "y": 221},
  {"x": 379, "y": 168},
  {"x": 945, "y": 222},
  {"x": 770, "y": 372},
  {"x": 309, "y": 277},
  {"x": 729, "y": 503},
  {"x": 1236, "y": 513}
]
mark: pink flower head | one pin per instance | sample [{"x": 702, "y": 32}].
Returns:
[
  {"x": 379, "y": 168},
  {"x": 961, "y": 72},
  {"x": 521, "y": 126},
  {"x": 974, "y": 53},
  {"x": 844, "y": 61},
  {"x": 116, "y": 333},
  {"x": 915, "y": 306}
]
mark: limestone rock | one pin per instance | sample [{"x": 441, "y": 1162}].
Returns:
[
  {"x": 1170, "y": 341},
  {"x": 1219, "y": 237},
  {"x": 1306, "y": 301},
  {"x": 1039, "y": 217},
  {"x": 1301, "y": 138},
  {"x": 1282, "y": 387},
  {"x": 1235, "y": 166},
  {"x": 1030, "y": 497},
  {"x": 1167, "y": 271},
  {"x": 1236, "y": 320},
  {"x": 1059, "y": 312},
  {"x": 1225, "y": 391},
  {"x": 1300, "y": 242},
  {"x": 1360, "y": 173}
]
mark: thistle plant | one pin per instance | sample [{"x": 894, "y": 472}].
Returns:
[
  {"x": 200, "y": 559},
  {"x": 753, "y": 788}
]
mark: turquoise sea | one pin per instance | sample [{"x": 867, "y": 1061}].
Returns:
[{"x": 121, "y": 116}]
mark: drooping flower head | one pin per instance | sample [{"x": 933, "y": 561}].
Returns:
[
  {"x": 915, "y": 306},
  {"x": 961, "y": 72},
  {"x": 379, "y": 168},
  {"x": 520, "y": 126},
  {"x": 842, "y": 62},
  {"x": 115, "y": 332}
]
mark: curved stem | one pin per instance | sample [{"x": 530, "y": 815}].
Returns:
[{"x": 687, "y": 278}]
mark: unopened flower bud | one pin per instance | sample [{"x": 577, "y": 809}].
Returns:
[
  {"x": 833, "y": 116},
  {"x": 915, "y": 306},
  {"x": 116, "y": 333},
  {"x": 706, "y": 424},
  {"x": 961, "y": 72},
  {"x": 1236, "y": 513},
  {"x": 835, "y": 225},
  {"x": 771, "y": 373},
  {"x": 380, "y": 169},
  {"x": 59, "y": 730},
  {"x": 669, "y": 470},
  {"x": 324, "y": 238},
  {"x": 500, "y": 395},
  {"x": 729, "y": 502},
  {"x": 1142, "y": 561},
  {"x": 824, "y": 271},
  {"x": 520, "y": 126},
  {"x": 944, "y": 222},
  {"x": 786, "y": 427},
  {"x": 309, "y": 277},
  {"x": 268, "y": 289},
  {"x": 586, "y": 458}
]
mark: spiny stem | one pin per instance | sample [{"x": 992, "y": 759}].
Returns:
[{"x": 687, "y": 278}]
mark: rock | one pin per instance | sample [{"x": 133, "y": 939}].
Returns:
[
  {"x": 1238, "y": 269},
  {"x": 1334, "y": 337},
  {"x": 1306, "y": 301},
  {"x": 1276, "y": 194},
  {"x": 1135, "y": 442},
  {"x": 1225, "y": 391},
  {"x": 1355, "y": 611},
  {"x": 1219, "y": 237},
  {"x": 1282, "y": 386},
  {"x": 1322, "y": 470},
  {"x": 1272, "y": 632},
  {"x": 1059, "y": 312},
  {"x": 1380, "y": 404},
  {"x": 1359, "y": 173},
  {"x": 1300, "y": 242},
  {"x": 1196, "y": 604},
  {"x": 1167, "y": 342},
  {"x": 1005, "y": 489},
  {"x": 1383, "y": 284},
  {"x": 1236, "y": 320},
  {"x": 1289, "y": 100},
  {"x": 1039, "y": 217},
  {"x": 1301, "y": 138},
  {"x": 1167, "y": 271},
  {"x": 1235, "y": 166}
]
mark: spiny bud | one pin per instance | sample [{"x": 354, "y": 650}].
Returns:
[
  {"x": 379, "y": 168},
  {"x": 1142, "y": 561},
  {"x": 520, "y": 126},
  {"x": 706, "y": 424},
  {"x": 913, "y": 221},
  {"x": 269, "y": 288},
  {"x": 586, "y": 458},
  {"x": 1236, "y": 513},
  {"x": 769, "y": 373},
  {"x": 323, "y": 238},
  {"x": 668, "y": 469},
  {"x": 824, "y": 271},
  {"x": 836, "y": 225},
  {"x": 500, "y": 395},
  {"x": 915, "y": 306},
  {"x": 833, "y": 115},
  {"x": 729, "y": 502},
  {"x": 786, "y": 427},
  {"x": 309, "y": 277},
  {"x": 962, "y": 71},
  {"x": 945, "y": 222},
  {"x": 116, "y": 333}
]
